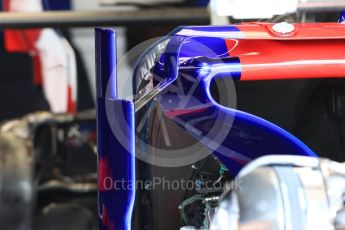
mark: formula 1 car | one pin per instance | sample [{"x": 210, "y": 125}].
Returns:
[{"x": 183, "y": 125}]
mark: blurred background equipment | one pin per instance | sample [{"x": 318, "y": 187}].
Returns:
[
  {"x": 16, "y": 183},
  {"x": 48, "y": 172},
  {"x": 265, "y": 9}
]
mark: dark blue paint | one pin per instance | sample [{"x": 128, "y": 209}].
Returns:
[
  {"x": 57, "y": 4},
  {"x": 195, "y": 55},
  {"x": 106, "y": 63},
  {"x": 246, "y": 137},
  {"x": 115, "y": 129},
  {"x": 119, "y": 152},
  {"x": 202, "y": 2},
  {"x": 342, "y": 17}
]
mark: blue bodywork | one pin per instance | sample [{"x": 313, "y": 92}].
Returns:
[
  {"x": 116, "y": 151},
  {"x": 192, "y": 60},
  {"x": 196, "y": 56},
  {"x": 342, "y": 17}
]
